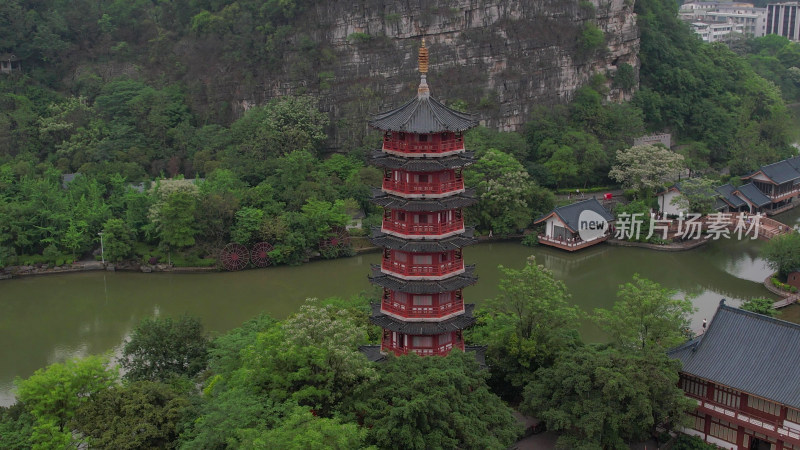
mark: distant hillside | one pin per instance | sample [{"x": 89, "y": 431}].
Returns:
[{"x": 498, "y": 58}]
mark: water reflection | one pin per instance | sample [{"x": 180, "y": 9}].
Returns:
[{"x": 49, "y": 319}]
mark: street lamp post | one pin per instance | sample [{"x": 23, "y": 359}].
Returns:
[{"x": 102, "y": 251}]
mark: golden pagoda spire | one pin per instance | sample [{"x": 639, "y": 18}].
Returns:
[{"x": 423, "y": 91}]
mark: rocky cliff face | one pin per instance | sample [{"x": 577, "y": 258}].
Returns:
[{"x": 496, "y": 58}]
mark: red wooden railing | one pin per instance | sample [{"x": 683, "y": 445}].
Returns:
[
  {"x": 423, "y": 228},
  {"x": 403, "y": 310},
  {"x": 423, "y": 188},
  {"x": 441, "y": 350},
  {"x": 410, "y": 269},
  {"x": 423, "y": 147}
]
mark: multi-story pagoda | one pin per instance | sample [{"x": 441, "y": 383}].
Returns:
[{"x": 422, "y": 272}]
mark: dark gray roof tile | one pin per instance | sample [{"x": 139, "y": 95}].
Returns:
[
  {"x": 423, "y": 114},
  {"x": 570, "y": 214},
  {"x": 456, "y": 323},
  {"x": 390, "y": 201},
  {"x": 467, "y": 278},
  {"x": 748, "y": 352},
  {"x": 423, "y": 245},
  {"x": 428, "y": 164},
  {"x": 780, "y": 172},
  {"x": 726, "y": 192},
  {"x": 752, "y": 193}
]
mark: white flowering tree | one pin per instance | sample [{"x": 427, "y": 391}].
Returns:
[{"x": 646, "y": 167}]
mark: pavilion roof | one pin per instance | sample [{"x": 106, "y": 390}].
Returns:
[
  {"x": 460, "y": 281},
  {"x": 423, "y": 114},
  {"x": 570, "y": 214},
  {"x": 726, "y": 193},
  {"x": 423, "y": 245},
  {"x": 420, "y": 328},
  {"x": 390, "y": 201},
  {"x": 427, "y": 164},
  {"x": 752, "y": 193},
  {"x": 748, "y": 352}
]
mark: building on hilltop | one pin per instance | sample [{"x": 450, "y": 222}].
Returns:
[
  {"x": 782, "y": 20},
  {"x": 743, "y": 374},
  {"x": 719, "y": 21},
  {"x": 422, "y": 271}
]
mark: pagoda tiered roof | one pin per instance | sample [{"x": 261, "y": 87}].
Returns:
[
  {"x": 423, "y": 114},
  {"x": 422, "y": 164},
  {"x": 460, "y": 281},
  {"x": 382, "y": 239},
  {"x": 462, "y": 200},
  {"x": 390, "y": 323}
]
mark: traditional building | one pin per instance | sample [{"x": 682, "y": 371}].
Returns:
[
  {"x": 563, "y": 224},
  {"x": 422, "y": 272},
  {"x": 743, "y": 373}
]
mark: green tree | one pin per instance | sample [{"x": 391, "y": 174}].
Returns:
[
  {"x": 646, "y": 317},
  {"x": 16, "y": 427},
  {"x": 300, "y": 430},
  {"x": 143, "y": 414},
  {"x": 783, "y": 254},
  {"x": 177, "y": 226},
  {"x": 646, "y": 167},
  {"x": 52, "y": 395},
  {"x": 697, "y": 195},
  {"x": 603, "y": 397},
  {"x": 161, "y": 348},
  {"x": 526, "y": 327},
  {"x": 118, "y": 240},
  {"x": 432, "y": 402},
  {"x": 760, "y": 306}
]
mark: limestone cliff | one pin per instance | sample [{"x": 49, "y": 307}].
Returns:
[{"x": 497, "y": 58}]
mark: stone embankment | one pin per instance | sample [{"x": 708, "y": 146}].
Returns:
[{"x": 89, "y": 266}]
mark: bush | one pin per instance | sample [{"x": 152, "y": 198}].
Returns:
[
  {"x": 531, "y": 240},
  {"x": 591, "y": 39}
]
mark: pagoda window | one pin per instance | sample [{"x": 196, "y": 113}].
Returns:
[
  {"x": 444, "y": 257},
  {"x": 402, "y": 136},
  {"x": 423, "y": 259},
  {"x": 421, "y": 218},
  {"x": 444, "y": 298},
  {"x": 423, "y": 138},
  {"x": 423, "y": 178},
  {"x": 423, "y": 341},
  {"x": 401, "y": 297},
  {"x": 423, "y": 300},
  {"x": 387, "y": 173},
  {"x": 400, "y": 257},
  {"x": 445, "y": 339},
  {"x": 458, "y": 254},
  {"x": 446, "y": 136},
  {"x": 401, "y": 216},
  {"x": 445, "y": 176},
  {"x": 387, "y": 254}
]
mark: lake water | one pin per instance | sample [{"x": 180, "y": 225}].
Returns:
[{"x": 50, "y": 318}]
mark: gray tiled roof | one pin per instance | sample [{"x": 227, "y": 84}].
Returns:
[
  {"x": 467, "y": 278},
  {"x": 726, "y": 192},
  {"x": 750, "y": 192},
  {"x": 794, "y": 162},
  {"x": 748, "y": 352},
  {"x": 423, "y": 114},
  {"x": 456, "y": 323},
  {"x": 780, "y": 172},
  {"x": 569, "y": 214},
  {"x": 462, "y": 200},
  {"x": 423, "y": 245},
  {"x": 428, "y": 164}
]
